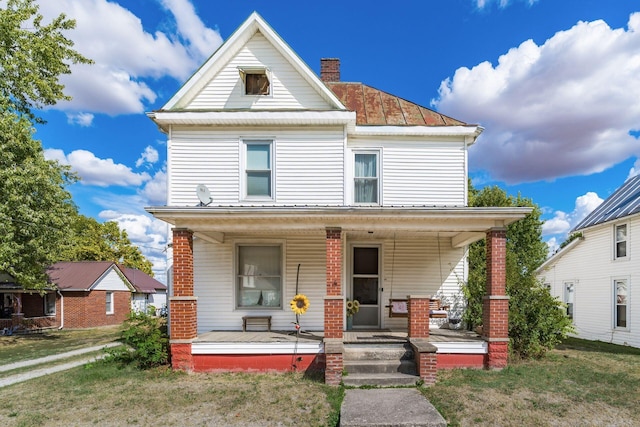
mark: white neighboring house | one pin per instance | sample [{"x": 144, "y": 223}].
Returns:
[
  {"x": 148, "y": 291},
  {"x": 364, "y": 191},
  {"x": 598, "y": 275}
]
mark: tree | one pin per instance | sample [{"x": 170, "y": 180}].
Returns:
[
  {"x": 35, "y": 207},
  {"x": 33, "y": 56},
  {"x": 537, "y": 321},
  {"x": 91, "y": 240}
]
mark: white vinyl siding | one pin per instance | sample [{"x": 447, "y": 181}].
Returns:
[
  {"x": 308, "y": 165},
  {"x": 590, "y": 266},
  {"x": 288, "y": 89},
  {"x": 111, "y": 281},
  {"x": 418, "y": 172}
]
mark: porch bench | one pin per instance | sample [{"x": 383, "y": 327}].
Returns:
[{"x": 256, "y": 319}]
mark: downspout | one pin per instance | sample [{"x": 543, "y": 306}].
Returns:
[{"x": 61, "y": 310}]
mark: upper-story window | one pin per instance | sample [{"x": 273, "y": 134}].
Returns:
[
  {"x": 256, "y": 81},
  {"x": 621, "y": 241},
  {"x": 366, "y": 176},
  {"x": 258, "y": 165}
]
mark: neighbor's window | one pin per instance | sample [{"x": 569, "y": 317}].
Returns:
[
  {"x": 259, "y": 277},
  {"x": 366, "y": 178},
  {"x": 568, "y": 298},
  {"x": 258, "y": 169},
  {"x": 621, "y": 298},
  {"x": 49, "y": 304},
  {"x": 621, "y": 241},
  {"x": 109, "y": 302}
]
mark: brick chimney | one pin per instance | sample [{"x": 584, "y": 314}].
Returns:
[{"x": 330, "y": 69}]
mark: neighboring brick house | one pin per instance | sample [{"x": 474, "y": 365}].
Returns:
[
  {"x": 83, "y": 294},
  {"x": 274, "y": 171}
]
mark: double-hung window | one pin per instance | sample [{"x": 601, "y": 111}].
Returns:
[
  {"x": 49, "y": 304},
  {"x": 366, "y": 176},
  {"x": 258, "y": 165},
  {"x": 621, "y": 241},
  {"x": 259, "y": 276},
  {"x": 109, "y": 302},
  {"x": 569, "y": 298},
  {"x": 621, "y": 303}
]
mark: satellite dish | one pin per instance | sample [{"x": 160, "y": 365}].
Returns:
[{"x": 203, "y": 195}]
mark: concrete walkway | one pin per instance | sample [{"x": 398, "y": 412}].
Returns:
[
  {"x": 388, "y": 407},
  {"x": 17, "y": 378}
]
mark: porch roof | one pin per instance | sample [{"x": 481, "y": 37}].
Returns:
[{"x": 463, "y": 224}]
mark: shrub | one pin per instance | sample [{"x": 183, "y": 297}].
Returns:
[{"x": 146, "y": 342}]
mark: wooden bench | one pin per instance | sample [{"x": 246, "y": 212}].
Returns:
[
  {"x": 400, "y": 308},
  {"x": 256, "y": 319}
]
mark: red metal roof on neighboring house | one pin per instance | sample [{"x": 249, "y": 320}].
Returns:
[
  {"x": 142, "y": 281},
  {"x": 375, "y": 107},
  {"x": 77, "y": 276}
]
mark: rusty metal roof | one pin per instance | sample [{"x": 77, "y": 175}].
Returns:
[{"x": 375, "y": 107}]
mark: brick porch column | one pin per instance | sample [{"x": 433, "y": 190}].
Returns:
[
  {"x": 418, "y": 325},
  {"x": 333, "y": 308},
  {"x": 182, "y": 303},
  {"x": 495, "y": 307}
]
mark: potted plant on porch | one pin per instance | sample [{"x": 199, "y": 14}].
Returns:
[{"x": 352, "y": 308}]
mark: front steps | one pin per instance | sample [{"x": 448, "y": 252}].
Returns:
[{"x": 379, "y": 364}]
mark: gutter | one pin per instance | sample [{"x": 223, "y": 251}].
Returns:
[{"x": 61, "y": 310}]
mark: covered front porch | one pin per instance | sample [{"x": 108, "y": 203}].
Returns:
[{"x": 420, "y": 252}]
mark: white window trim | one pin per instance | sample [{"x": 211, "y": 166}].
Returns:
[
  {"x": 615, "y": 242},
  {"x": 44, "y": 301},
  {"x": 564, "y": 297},
  {"x": 110, "y": 294},
  {"x": 243, "y": 71},
  {"x": 627, "y": 279},
  {"x": 243, "y": 168},
  {"x": 378, "y": 152},
  {"x": 283, "y": 267}
]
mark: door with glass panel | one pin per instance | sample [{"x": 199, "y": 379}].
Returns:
[{"x": 365, "y": 283}]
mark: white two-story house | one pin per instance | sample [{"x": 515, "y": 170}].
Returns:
[{"x": 283, "y": 182}]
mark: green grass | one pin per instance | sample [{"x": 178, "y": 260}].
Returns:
[{"x": 16, "y": 348}]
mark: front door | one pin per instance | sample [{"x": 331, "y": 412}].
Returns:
[{"x": 365, "y": 282}]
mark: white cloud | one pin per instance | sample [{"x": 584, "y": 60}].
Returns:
[
  {"x": 81, "y": 119},
  {"x": 481, "y": 4},
  {"x": 125, "y": 53},
  {"x": 150, "y": 155},
  {"x": 146, "y": 233},
  {"x": 95, "y": 171},
  {"x": 560, "y": 109},
  {"x": 635, "y": 169},
  {"x": 562, "y": 222},
  {"x": 155, "y": 190}
]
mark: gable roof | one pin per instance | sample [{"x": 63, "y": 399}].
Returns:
[
  {"x": 623, "y": 202},
  {"x": 255, "y": 23},
  {"x": 376, "y": 107},
  {"x": 141, "y": 281},
  {"x": 82, "y": 275}
]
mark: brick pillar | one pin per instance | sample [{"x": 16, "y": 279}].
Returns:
[
  {"x": 183, "y": 305},
  {"x": 495, "y": 308},
  {"x": 333, "y": 308},
  {"x": 418, "y": 325}
]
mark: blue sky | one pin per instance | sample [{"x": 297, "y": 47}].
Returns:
[{"x": 555, "y": 84}]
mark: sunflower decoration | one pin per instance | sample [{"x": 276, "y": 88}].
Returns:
[
  {"x": 299, "y": 304},
  {"x": 352, "y": 307}
]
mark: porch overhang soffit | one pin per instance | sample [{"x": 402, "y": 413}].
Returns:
[{"x": 463, "y": 225}]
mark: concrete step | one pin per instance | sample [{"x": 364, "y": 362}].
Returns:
[
  {"x": 380, "y": 366},
  {"x": 380, "y": 379},
  {"x": 378, "y": 352}
]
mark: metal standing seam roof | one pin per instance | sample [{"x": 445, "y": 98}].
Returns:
[
  {"x": 142, "y": 281},
  {"x": 623, "y": 202},
  {"x": 376, "y": 107},
  {"x": 77, "y": 276}
]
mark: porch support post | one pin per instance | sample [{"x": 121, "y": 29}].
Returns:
[
  {"x": 418, "y": 306},
  {"x": 495, "y": 308},
  {"x": 183, "y": 303},
  {"x": 333, "y": 308}
]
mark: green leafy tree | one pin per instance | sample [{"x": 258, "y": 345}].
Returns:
[
  {"x": 35, "y": 207},
  {"x": 33, "y": 56},
  {"x": 536, "y": 320},
  {"x": 91, "y": 240}
]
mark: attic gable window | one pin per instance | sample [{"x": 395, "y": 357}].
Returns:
[{"x": 256, "y": 81}]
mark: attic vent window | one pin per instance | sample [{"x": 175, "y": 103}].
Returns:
[{"x": 255, "y": 80}]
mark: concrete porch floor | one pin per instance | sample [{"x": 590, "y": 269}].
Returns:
[{"x": 357, "y": 336}]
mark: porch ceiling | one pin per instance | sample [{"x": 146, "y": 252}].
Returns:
[{"x": 463, "y": 224}]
